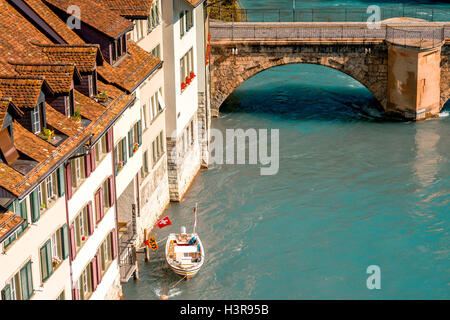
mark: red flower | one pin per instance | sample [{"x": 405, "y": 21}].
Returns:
[
  {"x": 192, "y": 75},
  {"x": 188, "y": 80},
  {"x": 183, "y": 86},
  {"x": 83, "y": 238}
]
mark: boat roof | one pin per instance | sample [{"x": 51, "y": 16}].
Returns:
[{"x": 185, "y": 249}]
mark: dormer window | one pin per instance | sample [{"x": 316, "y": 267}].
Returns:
[
  {"x": 36, "y": 123},
  {"x": 119, "y": 48},
  {"x": 69, "y": 104}
]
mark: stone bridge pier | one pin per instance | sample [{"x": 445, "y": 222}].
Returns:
[{"x": 409, "y": 83}]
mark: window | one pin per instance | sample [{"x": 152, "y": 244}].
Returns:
[
  {"x": 85, "y": 283},
  {"x": 106, "y": 256},
  {"x": 157, "y": 51},
  {"x": 144, "y": 168},
  {"x": 153, "y": 18},
  {"x": 100, "y": 149},
  {"x": 77, "y": 166},
  {"x": 62, "y": 296},
  {"x": 187, "y": 67},
  {"x": 120, "y": 158},
  {"x": 139, "y": 29},
  {"x": 119, "y": 46},
  {"x": 192, "y": 132},
  {"x": 144, "y": 116},
  {"x": 53, "y": 252},
  {"x": 81, "y": 227},
  {"x": 106, "y": 194},
  {"x": 51, "y": 183},
  {"x": 186, "y": 22},
  {"x": 134, "y": 138},
  {"x": 20, "y": 287},
  {"x": 67, "y": 106},
  {"x": 36, "y": 125},
  {"x": 20, "y": 209},
  {"x": 155, "y": 103},
  {"x": 158, "y": 147}
]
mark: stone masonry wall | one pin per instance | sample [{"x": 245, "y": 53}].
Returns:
[
  {"x": 154, "y": 198},
  {"x": 445, "y": 74},
  {"x": 365, "y": 63},
  {"x": 182, "y": 166}
]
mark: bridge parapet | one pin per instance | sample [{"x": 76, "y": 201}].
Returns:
[{"x": 422, "y": 35}]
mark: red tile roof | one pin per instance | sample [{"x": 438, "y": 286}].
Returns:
[
  {"x": 128, "y": 8},
  {"x": 30, "y": 144},
  {"x": 54, "y": 21},
  {"x": 84, "y": 56},
  {"x": 96, "y": 16},
  {"x": 9, "y": 222},
  {"x": 135, "y": 68},
  {"x": 194, "y": 3},
  {"x": 60, "y": 122},
  {"x": 23, "y": 90},
  {"x": 58, "y": 76}
]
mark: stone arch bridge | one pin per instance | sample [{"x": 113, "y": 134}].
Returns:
[{"x": 405, "y": 65}]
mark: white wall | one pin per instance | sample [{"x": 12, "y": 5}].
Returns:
[{"x": 29, "y": 245}]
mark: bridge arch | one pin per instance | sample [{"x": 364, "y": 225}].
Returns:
[{"x": 365, "y": 64}]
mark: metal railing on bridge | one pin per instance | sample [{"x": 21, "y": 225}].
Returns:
[
  {"x": 423, "y": 37},
  {"x": 337, "y": 14}
]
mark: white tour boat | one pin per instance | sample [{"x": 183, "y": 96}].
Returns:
[{"x": 185, "y": 253}]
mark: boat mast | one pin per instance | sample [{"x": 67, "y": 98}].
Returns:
[{"x": 195, "y": 216}]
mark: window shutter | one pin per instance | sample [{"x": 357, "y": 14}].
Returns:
[
  {"x": 61, "y": 182},
  {"x": 6, "y": 293},
  {"x": 75, "y": 294},
  {"x": 69, "y": 182},
  {"x": 73, "y": 248},
  {"x": 35, "y": 209},
  {"x": 87, "y": 164},
  {"x": 92, "y": 152},
  {"x": 124, "y": 151},
  {"x": 139, "y": 137},
  {"x": 130, "y": 143},
  {"x": 181, "y": 24},
  {"x": 43, "y": 256},
  {"x": 112, "y": 191},
  {"x": 109, "y": 141},
  {"x": 90, "y": 214},
  {"x": 94, "y": 273},
  {"x": 65, "y": 241},
  {"x": 102, "y": 203},
  {"x": 46, "y": 260},
  {"x": 98, "y": 204},
  {"x": 13, "y": 206},
  {"x": 99, "y": 268},
  {"x": 114, "y": 243}
]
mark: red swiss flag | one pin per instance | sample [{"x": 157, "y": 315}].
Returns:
[{"x": 164, "y": 223}]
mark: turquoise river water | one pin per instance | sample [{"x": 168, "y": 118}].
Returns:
[{"x": 352, "y": 190}]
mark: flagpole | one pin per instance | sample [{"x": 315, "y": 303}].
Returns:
[{"x": 195, "y": 216}]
